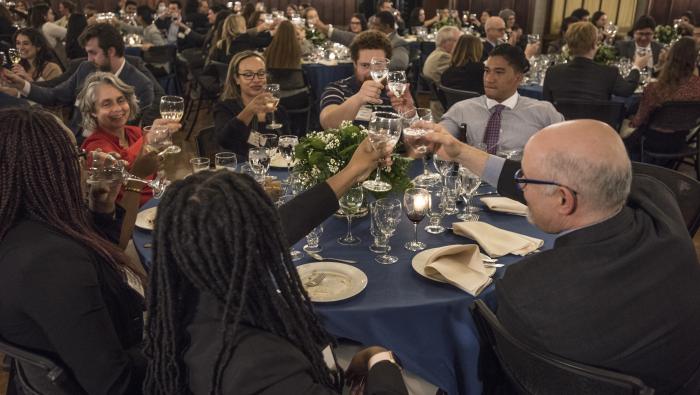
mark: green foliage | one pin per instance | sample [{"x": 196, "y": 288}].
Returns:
[
  {"x": 315, "y": 36},
  {"x": 665, "y": 34},
  {"x": 606, "y": 54}
]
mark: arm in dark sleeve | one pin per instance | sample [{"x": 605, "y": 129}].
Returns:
[
  {"x": 306, "y": 211},
  {"x": 72, "y": 313},
  {"x": 626, "y": 86},
  {"x": 506, "y": 182},
  {"x": 63, "y": 93},
  {"x": 547, "y": 88},
  {"x": 384, "y": 379},
  {"x": 109, "y": 225},
  {"x": 72, "y": 68},
  {"x": 231, "y": 132}
]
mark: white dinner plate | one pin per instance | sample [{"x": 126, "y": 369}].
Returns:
[
  {"x": 340, "y": 281},
  {"x": 420, "y": 260},
  {"x": 146, "y": 219},
  {"x": 279, "y": 162}
]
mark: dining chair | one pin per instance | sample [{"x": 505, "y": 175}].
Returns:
[
  {"x": 531, "y": 371},
  {"x": 453, "y": 96},
  {"x": 684, "y": 188},
  {"x": 207, "y": 146},
  {"x": 165, "y": 54},
  {"x": 610, "y": 112}
]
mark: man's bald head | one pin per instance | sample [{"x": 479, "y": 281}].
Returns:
[
  {"x": 587, "y": 156},
  {"x": 495, "y": 28}
]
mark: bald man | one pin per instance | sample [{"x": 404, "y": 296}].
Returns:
[
  {"x": 620, "y": 287},
  {"x": 495, "y": 29}
]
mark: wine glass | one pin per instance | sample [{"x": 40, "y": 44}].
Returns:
[
  {"x": 14, "y": 55},
  {"x": 111, "y": 169},
  {"x": 199, "y": 164},
  {"x": 533, "y": 38},
  {"x": 269, "y": 142},
  {"x": 413, "y": 137},
  {"x": 443, "y": 166},
  {"x": 172, "y": 108},
  {"x": 225, "y": 161},
  {"x": 469, "y": 183},
  {"x": 313, "y": 240},
  {"x": 274, "y": 90},
  {"x": 286, "y": 146},
  {"x": 386, "y": 216},
  {"x": 437, "y": 210},
  {"x": 416, "y": 202},
  {"x": 397, "y": 82},
  {"x": 378, "y": 245},
  {"x": 259, "y": 162},
  {"x": 351, "y": 203},
  {"x": 384, "y": 131},
  {"x": 159, "y": 139},
  {"x": 3, "y": 61},
  {"x": 379, "y": 69},
  {"x": 450, "y": 192}
]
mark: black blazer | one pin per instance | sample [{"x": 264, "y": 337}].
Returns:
[
  {"x": 584, "y": 79},
  {"x": 627, "y": 49},
  {"x": 469, "y": 77},
  {"x": 622, "y": 294},
  {"x": 263, "y": 363}
]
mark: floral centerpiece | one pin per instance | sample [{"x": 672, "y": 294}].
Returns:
[
  {"x": 665, "y": 34},
  {"x": 315, "y": 36},
  {"x": 448, "y": 21},
  {"x": 319, "y": 155},
  {"x": 606, "y": 54}
]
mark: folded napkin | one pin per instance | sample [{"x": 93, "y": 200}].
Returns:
[
  {"x": 328, "y": 62},
  {"x": 461, "y": 266},
  {"x": 495, "y": 241},
  {"x": 505, "y": 205}
]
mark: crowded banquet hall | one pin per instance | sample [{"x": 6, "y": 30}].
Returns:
[{"x": 424, "y": 197}]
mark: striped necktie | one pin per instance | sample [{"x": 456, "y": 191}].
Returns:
[{"x": 493, "y": 129}]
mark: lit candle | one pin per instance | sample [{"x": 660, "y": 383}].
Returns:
[{"x": 421, "y": 202}]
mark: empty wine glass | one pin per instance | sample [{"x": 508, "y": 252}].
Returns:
[
  {"x": 378, "y": 244},
  {"x": 159, "y": 139},
  {"x": 379, "y": 69},
  {"x": 384, "y": 131},
  {"x": 274, "y": 90},
  {"x": 416, "y": 202},
  {"x": 110, "y": 169},
  {"x": 397, "y": 82},
  {"x": 199, "y": 164},
  {"x": 386, "y": 217},
  {"x": 225, "y": 161},
  {"x": 286, "y": 146},
  {"x": 469, "y": 183},
  {"x": 269, "y": 142},
  {"x": 437, "y": 210},
  {"x": 313, "y": 240},
  {"x": 351, "y": 203},
  {"x": 413, "y": 137},
  {"x": 172, "y": 108},
  {"x": 450, "y": 192},
  {"x": 259, "y": 162}
]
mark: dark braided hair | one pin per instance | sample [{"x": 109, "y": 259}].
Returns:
[
  {"x": 40, "y": 178},
  {"x": 219, "y": 233}
]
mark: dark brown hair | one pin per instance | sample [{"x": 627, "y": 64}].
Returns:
[
  {"x": 284, "y": 52},
  {"x": 679, "y": 65},
  {"x": 369, "y": 40},
  {"x": 467, "y": 50}
]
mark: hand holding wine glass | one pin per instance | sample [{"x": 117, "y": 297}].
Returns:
[
  {"x": 379, "y": 69},
  {"x": 384, "y": 131},
  {"x": 271, "y": 104},
  {"x": 172, "y": 108}
]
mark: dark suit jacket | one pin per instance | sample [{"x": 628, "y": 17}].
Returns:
[
  {"x": 627, "y": 49},
  {"x": 488, "y": 47},
  {"x": 263, "y": 363},
  {"x": 584, "y": 79},
  {"x": 622, "y": 294}
]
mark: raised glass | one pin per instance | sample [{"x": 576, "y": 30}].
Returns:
[{"x": 384, "y": 131}]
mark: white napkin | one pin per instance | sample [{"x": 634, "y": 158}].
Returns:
[
  {"x": 328, "y": 62},
  {"x": 505, "y": 205},
  {"x": 461, "y": 266},
  {"x": 495, "y": 241}
]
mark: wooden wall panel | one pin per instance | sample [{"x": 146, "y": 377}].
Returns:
[
  {"x": 523, "y": 8},
  {"x": 665, "y": 11}
]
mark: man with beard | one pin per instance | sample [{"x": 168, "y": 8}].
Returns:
[
  {"x": 342, "y": 100},
  {"x": 105, "y": 50}
]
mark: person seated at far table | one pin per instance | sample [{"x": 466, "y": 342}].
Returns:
[
  {"x": 243, "y": 112},
  {"x": 584, "y": 79},
  {"x": 439, "y": 60},
  {"x": 618, "y": 290},
  {"x": 245, "y": 324},
  {"x": 466, "y": 71},
  {"x": 38, "y": 62}
]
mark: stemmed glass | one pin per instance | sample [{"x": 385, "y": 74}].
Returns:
[
  {"x": 416, "y": 202},
  {"x": 172, "y": 108},
  {"x": 110, "y": 170},
  {"x": 274, "y": 90},
  {"x": 469, "y": 184},
  {"x": 3, "y": 61},
  {"x": 286, "y": 146},
  {"x": 159, "y": 139},
  {"x": 386, "y": 216},
  {"x": 397, "y": 82},
  {"x": 438, "y": 205},
  {"x": 413, "y": 138},
  {"x": 443, "y": 166},
  {"x": 259, "y": 162},
  {"x": 313, "y": 240},
  {"x": 378, "y": 245},
  {"x": 14, "y": 55},
  {"x": 384, "y": 131},
  {"x": 351, "y": 203},
  {"x": 269, "y": 142},
  {"x": 379, "y": 69}
]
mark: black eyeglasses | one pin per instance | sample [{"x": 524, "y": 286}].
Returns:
[
  {"x": 520, "y": 180},
  {"x": 248, "y": 75}
]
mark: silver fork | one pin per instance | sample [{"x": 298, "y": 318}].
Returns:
[{"x": 315, "y": 281}]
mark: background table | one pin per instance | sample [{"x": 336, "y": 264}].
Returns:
[
  {"x": 426, "y": 323},
  {"x": 320, "y": 75}
]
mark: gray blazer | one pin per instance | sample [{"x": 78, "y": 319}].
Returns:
[
  {"x": 399, "y": 47},
  {"x": 626, "y": 49}
]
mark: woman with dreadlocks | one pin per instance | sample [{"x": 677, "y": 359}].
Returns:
[
  {"x": 64, "y": 288},
  {"x": 227, "y": 310}
]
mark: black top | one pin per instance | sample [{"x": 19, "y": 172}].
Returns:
[
  {"x": 59, "y": 299},
  {"x": 621, "y": 294},
  {"x": 584, "y": 79},
  {"x": 469, "y": 77},
  {"x": 232, "y": 133},
  {"x": 242, "y": 42}
]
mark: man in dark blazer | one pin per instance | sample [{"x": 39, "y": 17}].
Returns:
[
  {"x": 105, "y": 49},
  {"x": 584, "y": 79},
  {"x": 619, "y": 289},
  {"x": 642, "y": 33}
]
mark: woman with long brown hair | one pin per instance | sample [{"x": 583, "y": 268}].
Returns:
[
  {"x": 67, "y": 291},
  {"x": 38, "y": 62},
  {"x": 466, "y": 71}
]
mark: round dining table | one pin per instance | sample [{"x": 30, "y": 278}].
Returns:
[{"x": 426, "y": 323}]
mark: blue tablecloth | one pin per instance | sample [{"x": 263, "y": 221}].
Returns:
[
  {"x": 320, "y": 75},
  {"x": 427, "y": 324}
]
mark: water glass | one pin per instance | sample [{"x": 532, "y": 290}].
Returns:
[
  {"x": 313, "y": 239},
  {"x": 437, "y": 210},
  {"x": 469, "y": 182},
  {"x": 450, "y": 193},
  {"x": 199, "y": 164},
  {"x": 379, "y": 244},
  {"x": 386, "y": 216},
  {"x": 225, "y": 160},
  {"x": 351, "y": 203},
  {"x": 259, "y": 162}
]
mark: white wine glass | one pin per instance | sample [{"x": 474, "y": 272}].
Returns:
[
  {"x": 469, "y": 183},
  {"x": 159, "y": 139},
  {"x": 259, "y": 162},
  {"x": 172, "y": 108},
  {"x": 417, "y": 121},
  {"x": 14, "y": 55},
  {"x": 110, "y": 170},
  {"x": 351, "y": 203},
  {"x": 386, "y": 215},
  {"x": 416, "y": 202},
  {"x": 383, "y": 132},
  {"x": 397, "y": 82},
  {"x": 274, "y": 90},
  {"x": 379, "y": 69}
]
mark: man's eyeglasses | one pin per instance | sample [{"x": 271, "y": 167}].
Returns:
[
  {"x": 520, "y": 180},
  {"x": 248, "y": 75}
]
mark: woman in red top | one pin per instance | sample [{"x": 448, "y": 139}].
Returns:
[{"x": 106, "y": 104}]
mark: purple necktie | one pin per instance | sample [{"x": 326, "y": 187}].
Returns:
[{"x": 493, "y": 129}]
